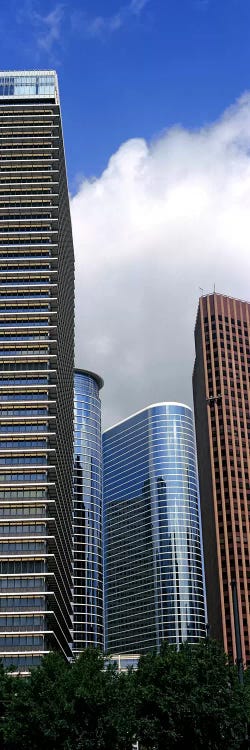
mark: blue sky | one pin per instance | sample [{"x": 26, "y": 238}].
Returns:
[{"x": 130, "y": 69}]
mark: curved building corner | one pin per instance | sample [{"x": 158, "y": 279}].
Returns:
[{"x": 87, "y": 539}]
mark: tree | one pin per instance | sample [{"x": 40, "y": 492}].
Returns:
[
  {"x": 7, "y": 687},
  {"x": 91, "y": 693},
  {"x": 37, "y": 715},
  {"x": 189, "y": 698}
]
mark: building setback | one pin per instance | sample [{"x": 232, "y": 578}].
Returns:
[
  {"x": 153, "y": 577},
  {"x": 221, "y": 401},
  {"x": 36, "y": 372},
  {"x": 87, "y": 539}
]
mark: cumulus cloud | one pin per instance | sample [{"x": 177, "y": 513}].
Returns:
[{"x": 163, "y": 220}]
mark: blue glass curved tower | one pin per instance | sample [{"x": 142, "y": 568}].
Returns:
[
  {"x": 152, "y": 539},
  {"x": 87, "y": 540}
]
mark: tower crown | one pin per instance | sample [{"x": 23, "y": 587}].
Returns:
[{"x": 29, "y": 84}]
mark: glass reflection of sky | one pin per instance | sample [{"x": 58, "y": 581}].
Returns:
[
  {"x": 29, "y": 84},
  {"x": 150, "y": 485},
  {"x": 88, "y": 599}
]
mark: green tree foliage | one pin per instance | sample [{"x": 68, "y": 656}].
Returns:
[
  {"x": 176, "y": 699},
  {"x": 189, "y": 698},
  {"x": 37, "y": 715}
]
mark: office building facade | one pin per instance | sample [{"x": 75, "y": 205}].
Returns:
[
  {"x": 36, "y": 373},
  {"x": 153, "y": 576},
  {"x": 87, "y": 538},
  {"x": 221, "y": 401}
]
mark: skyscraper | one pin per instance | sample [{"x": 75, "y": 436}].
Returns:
[
  {"x": 153, "y": 577},
  {"x": 36, "y": 372},
  {"x": 88, "y": 578},
  {"x": 221, "y": 401}
]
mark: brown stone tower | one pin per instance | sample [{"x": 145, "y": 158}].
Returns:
[{"x": 222, "y": 403}]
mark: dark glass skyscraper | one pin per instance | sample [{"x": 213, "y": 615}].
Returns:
[
  {"x": 152, "y": 547},
  {"x": 222, "y": 415},
  {"x": 88, "y": 577},
  {"x": 36, "y": 372}
]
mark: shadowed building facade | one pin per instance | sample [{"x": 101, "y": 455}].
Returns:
[
  {"x": 87, "y": 546},
  {"x": 36, "y": 373},
  {"x": 153, "y": 577},
  {"x": 221, "y": 401}
]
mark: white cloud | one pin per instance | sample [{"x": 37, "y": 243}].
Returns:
[
  {"x": 102, "y": 25},
  {"x": 50, "y": 28},
  {"x": 163, "y": 220},
  {"x": 136, "y": 6},
  {"x": 47, "y": 29}
]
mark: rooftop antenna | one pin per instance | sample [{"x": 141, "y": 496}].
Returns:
[
  {"x": 201, "y": 290},
  {"x": 214, "y": 288}
]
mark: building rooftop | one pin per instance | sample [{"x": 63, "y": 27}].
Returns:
[
  {"x": 146, "y": 408},
  {"x": 29, "y": 84},
  {"x": 90, "y": 374}
]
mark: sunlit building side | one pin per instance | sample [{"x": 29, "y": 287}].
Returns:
[{"x": 153, "y": 572}]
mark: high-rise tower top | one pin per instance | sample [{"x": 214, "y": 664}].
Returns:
[{"x": 29, "y": 84}]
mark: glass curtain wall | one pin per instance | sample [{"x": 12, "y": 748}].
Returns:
[
  {"x": 36, "y": 373},
  {"x": 88, "y": 578},
  {"x": 153, "y": 570}
]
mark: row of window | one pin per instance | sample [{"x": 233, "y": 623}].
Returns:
[
  {"x": 176, "y": 485},
  {"x": 26, "y": 380},
  {"x": 22, "y": 510},
  {"x": 22, "y": 621},
  {"x": 169, "y": 428},
  {"x": 12, "y": 567},
  {"x": 22, "y": 583},
  {"x": 22, "y": 528},
  {"x": 9, "y": 641},
  {"x": 16, "y": 603},
  {"x": 20, "y": 294},
  {"x": 23, "y": 203},
  {"x": 28, "y": 308},
  {"x": 10, "y": 230},
  {"x": 22, "y": 366},
  {"x": 26, "y": 323},
  {"x": 28, "y": 165},
  {"x": 19, "y": 412},
  {"x": 29, "y": 477},
  {"x": 37, "y": 280},
  {"x": 21, "y": 663},
  {"x": 21, "y": 494},
  {"x": 26, "y": 396},
  {"x": 8, "y": 548},
  {"x": 17, "y": 184},
  {"x": 23, "y": 217},
  {"x": 23, "y": 427},
  {"x": 22, "y": 460},
  {"x": 24, "y": 444},
  {"x": 81, "y": 619},
  {"x": 27, "y": 162},
  {"x": 17, "y": 190},
  {"x": 44, "y": 145}
]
